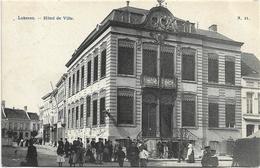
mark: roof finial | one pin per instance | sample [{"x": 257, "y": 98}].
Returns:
[
  {"x": 160, "y": 2},
  {"x": 127, "y": 3}
]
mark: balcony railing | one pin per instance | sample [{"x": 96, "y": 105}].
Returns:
[{"x": 155, "y": 82}]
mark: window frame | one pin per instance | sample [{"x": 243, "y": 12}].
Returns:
[
  {"x": 134, "y": 56},
  {"x": 95, "y": 68},
  {"x": 213, "y": 57},
  {"x": 249, "y": 105},
  {"x": 101, "y": 114},
  {"x": 195, "y": 63},
  {"x": 195, "y": 110},
  {"x": 213, "y": 126},
  {"x": 227, "y": 124},
  {"x": 134, "y": 108},
  {"x": 89, "y": 72},
  {"x": 103, "y": 64},
  {"x": 230, "y": 59},
  {"x": 82, "y": 77}
]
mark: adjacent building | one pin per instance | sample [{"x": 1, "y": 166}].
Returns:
[
  {"x": 250, "y": 94},
  {"x": 18, "y": 123},
  {"x": 53, "y": 112},
  {"x": 149, "y": 74},
  {"x": 61, "y": 105}
]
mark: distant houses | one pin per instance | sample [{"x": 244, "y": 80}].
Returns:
[{"x": 19, "y": 123}]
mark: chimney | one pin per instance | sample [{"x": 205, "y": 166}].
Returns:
[
  {"x": 213, "y": 28},
  {"x": 127, "y": 3},
  {"x": 3, "y": 104},
  {"x": 25, "y": 108}
]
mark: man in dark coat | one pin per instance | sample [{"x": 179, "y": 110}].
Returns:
[
  {"x": 31, "y": 156},
  {"x": 66, "y": 147},
  {"x": 99, "y": 151},
  {"x": 133, "y": 155}
]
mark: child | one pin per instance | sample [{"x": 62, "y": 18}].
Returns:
[{"x": 120, "y": 156}]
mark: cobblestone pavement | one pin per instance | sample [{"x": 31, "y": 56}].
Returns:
[{"x": 13, "y": 156}]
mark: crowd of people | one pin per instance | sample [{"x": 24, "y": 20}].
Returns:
[
  {"x": 78, "y": 154},
  {"x": 102, "y": 151}
]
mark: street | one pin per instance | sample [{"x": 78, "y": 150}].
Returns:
[{"x": 13, "y": 156}]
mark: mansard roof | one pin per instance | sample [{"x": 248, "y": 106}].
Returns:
[
  {"x": 250, "y": 65},
  {"x": 139, "y": 19}
]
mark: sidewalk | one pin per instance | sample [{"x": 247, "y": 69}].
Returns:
[
  {"x": 220, "y": 158},
  {"x": 47, "y": 147}
]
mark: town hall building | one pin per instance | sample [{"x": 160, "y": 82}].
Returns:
[{"x": 147, "y": 74}]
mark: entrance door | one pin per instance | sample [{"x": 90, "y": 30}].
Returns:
[
  {"x": 149, "y": 120},
  {"x": 166, "y": 120},
  {"x": 149, "y": 114}
]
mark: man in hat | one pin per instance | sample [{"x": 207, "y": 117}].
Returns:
[{"x": 99, "y": 150}]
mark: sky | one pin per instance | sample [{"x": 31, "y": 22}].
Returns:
[{"x": 34, "y": 52}]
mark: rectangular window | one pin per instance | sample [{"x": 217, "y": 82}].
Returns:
[
  {"x": 94, "y": 121},
  {"x": 103, "y": 63},
  {"x": 188, "y": 64},
  {"x": 69, "y": 117},
  {"x": 249, "y": 102},
  {"x": 125, "y": 57},
  {"x": 77, "y": 117},
  {"x": 188, "y": 110},
  {"x": 230, "y": 115},
  {"x": 81, "y": 115},
  {"x": 213, "y": 115},
  {"x": 73, "y": 84},
  {"x": 95, "y": 75},
  {"x": 166, "y": 62},
  {"x": 88, "y": 104},
  {"x": 72, "y": 118},
  {"x": 89, "y": 73},
  {"x": 258, "y": 103},
  {"x": 82, "y": 77},
  {"x": 125, "y": 106},
  {"x": 230, "y": 71},
  {"x": 213, "y": 68},
  {"x": 102, "y": 108},
  {"x": 77, "y": 82},
  {"x": 69, "y": 86},
  {"x": 150, "y": 60}
]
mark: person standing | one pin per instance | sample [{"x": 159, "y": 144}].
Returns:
[
  {"x": 143, "y": 155},
  {"x": 190, "y": 154},
  {"x": 160, "y": 149},
  {"x": 120, "y": 156},
  {"x": 99, "y": 151},
  {"x": 60, "y": 153},
  {"x": 31, "y": 156},
  {"x": 133, "y": 155},
  {"x": 66, "y": 147}
]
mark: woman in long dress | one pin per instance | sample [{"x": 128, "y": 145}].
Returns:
[
  {"x": 31, "y": 156},
  {"x": 60, "y": 154}
]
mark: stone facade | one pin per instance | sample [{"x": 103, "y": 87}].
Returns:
[{"x": 133, "y": 30}]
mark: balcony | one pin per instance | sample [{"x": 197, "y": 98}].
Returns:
[{"x": 155, "y": 82}]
